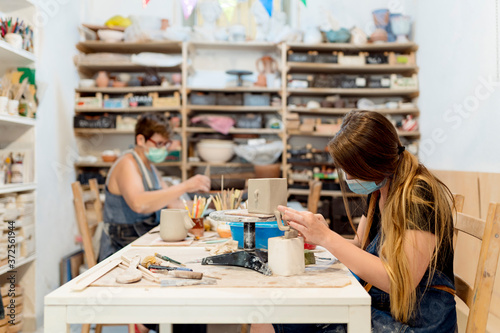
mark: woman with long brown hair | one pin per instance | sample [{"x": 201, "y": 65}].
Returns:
[{"x": 403, "y": 248}]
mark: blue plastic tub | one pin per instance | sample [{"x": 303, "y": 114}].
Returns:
[{"x": 263, "y": 231}]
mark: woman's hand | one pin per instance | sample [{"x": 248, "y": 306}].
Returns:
[
  {"x": 197, "y": 183},
  {"x": 313, "y": 227}
]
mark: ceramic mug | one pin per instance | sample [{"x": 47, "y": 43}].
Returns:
[
  {"x": 13, "y": 107},
  {"x": 15, "y": 40},
  {"x": 174, "y": 224},
  {"x": 4, "y": 100}
]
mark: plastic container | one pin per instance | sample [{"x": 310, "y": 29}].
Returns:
[
  {"x": 263, "y": 231},
  {"x": 250, "y": 99}
]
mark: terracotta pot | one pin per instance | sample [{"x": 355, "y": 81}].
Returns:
[
  {"x": 267, "y": 171},
  {"x": 102, "y": 79}
]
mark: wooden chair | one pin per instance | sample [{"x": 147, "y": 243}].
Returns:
[
  {"x": 88, "y": 208},
  {"x": 487, "y": 231},
  {"x": 314, "y": 195}
]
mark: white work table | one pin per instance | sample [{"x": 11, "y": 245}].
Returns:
[{"x": 339, "y": 299}]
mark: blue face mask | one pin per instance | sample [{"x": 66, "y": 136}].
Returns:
[
  {"x": 364, "y": 186},
  {"x": 157, "y": 155}
]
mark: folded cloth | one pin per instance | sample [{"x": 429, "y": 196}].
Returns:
[
  {"x": 156, "y": 59},
  {"x": 221, "y": 124}
]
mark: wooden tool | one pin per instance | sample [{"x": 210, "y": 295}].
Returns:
[
  {"x": 145, "y": 272},
  {"x": 187, "y": 275},
  {"x": 87, "y": 280},
  {"x": 131, "y": 274}
]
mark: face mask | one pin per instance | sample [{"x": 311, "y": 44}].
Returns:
[
  {"x": 157, "y": 155},
  {"x": 364, "y": 186}
]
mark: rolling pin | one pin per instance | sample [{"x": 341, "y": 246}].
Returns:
[{"x": 187, "y": 275}]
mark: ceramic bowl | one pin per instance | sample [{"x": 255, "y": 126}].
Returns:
[
  {"x": 338, "y": 36},
  {"x": 110, "y": 35},
  {"x": 215, "y": 151},
  {"x": 119, "y": 84},
  {"x": 87, "y": 83}
]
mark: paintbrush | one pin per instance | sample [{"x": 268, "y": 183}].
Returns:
[{"x": 169, "y": 259}]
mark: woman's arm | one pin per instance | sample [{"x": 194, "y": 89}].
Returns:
[
  {"x": 130, "y": 185},
  {"x": 418, "y": 247}
]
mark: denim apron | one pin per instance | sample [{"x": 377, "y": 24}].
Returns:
[
  {"x": 121, "y": 224},
  {"x": 435, "y": 311}
]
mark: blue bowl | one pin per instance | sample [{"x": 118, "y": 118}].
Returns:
[{"x": 263, "y": 231}]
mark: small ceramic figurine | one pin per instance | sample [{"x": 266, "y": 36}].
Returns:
[
  {"x": 210, "y": 11},
  {"x": 102, "y": 79}
]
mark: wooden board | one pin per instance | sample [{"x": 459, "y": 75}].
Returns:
[
  {"x": 240, "y": 215},
  {"x": 325, "y": 274}
]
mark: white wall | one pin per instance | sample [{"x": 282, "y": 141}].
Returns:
[
  {"x": 56, "y": 75},
  {"x": 459, "y": 111}
]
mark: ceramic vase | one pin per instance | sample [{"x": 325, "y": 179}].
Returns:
[{"x": 102, "y": 79}]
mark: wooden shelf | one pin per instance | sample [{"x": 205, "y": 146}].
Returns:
[
  {"x": 331, "y": 135},
  {"x": 12, "y": 57},
  {"x": 19, "y": 262},
  {"x": 309, "y": 164},
  {"x": 94, "y": 46},
  {"x": 16, "y": 120},
  {"x": 246, "y": 46},
  {"x": 320, "y": 67},
  {"x": 109, "y": 164},
  {"x": 92, "y": 67},
  {"x": 126, "y": 90},
  {"x": 235, "y": 108},
  {"x": 396, "y": 47},
  {"x": 326, "y": 193},
  {"x": 343, "y": 111},
  {"x": 235, "y": 89},
  {"x": 14, "y": 188},
  {"x": 138, "y": 109},
  {"x": 94, "y": 131},
  {"x": 355, "y": 92},
  {"x": 236, "y": 130},
  {"x": 222, "y": 165}
]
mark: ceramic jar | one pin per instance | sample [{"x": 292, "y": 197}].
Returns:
[{"x": 102, "y": 79}]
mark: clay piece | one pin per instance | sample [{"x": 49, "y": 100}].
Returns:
[
  {"x": 174, "y": 224},
  {"x": 286, "y": 256}
]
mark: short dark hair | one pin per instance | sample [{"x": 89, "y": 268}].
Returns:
[{"x": 150, "y": 123}]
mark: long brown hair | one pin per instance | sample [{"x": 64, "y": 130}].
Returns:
[{"x": 367, "y": 147}]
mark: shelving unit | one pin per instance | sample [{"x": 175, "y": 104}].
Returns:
[
  {"x": 19, "y": 133},
  {"x": 188, "y": 68}
]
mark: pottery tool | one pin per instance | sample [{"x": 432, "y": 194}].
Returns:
[
  {"x": 168, "y": 268},
  {"x": 131, "y": 274},
  {"x": 169, "y": 259},
  {"x": 84, "y": 282},
  {"x": 187, "y": 275},
  {"x": 207, "y": 171},
  {"x": 145, "y": 276},
  {"x": 126, "y": 262},
  {"x": 150, "y": 260},
  {"x": 187, "y": 208},
  {"x": 182, "y": 283}
]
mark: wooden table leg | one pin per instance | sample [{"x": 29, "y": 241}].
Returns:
[
  {"x": 166, "y": 328},
  {"x": 55, "y": 319},
  {"x": 359, "y": 319}
]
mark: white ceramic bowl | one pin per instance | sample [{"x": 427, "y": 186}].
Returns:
[
  {"x": 87, "y": 83},
  {"x": 110, "y": 35},
  {"x": 215, "y": 151}
]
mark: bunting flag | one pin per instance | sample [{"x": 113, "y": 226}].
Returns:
[
  {"x": 145, "y": 3},
  {"x": 188, "y": 7},
  {"x": 228, "y": 7},
  {"x": 268, "y": 5},
  {"x": 304, "y": 2}
]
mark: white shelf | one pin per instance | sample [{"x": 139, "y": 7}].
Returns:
[
  {"x": 236, "y": 89},
  {"x": 338, "y": 68},
  {"x": 19, "y": 262},
  {"x": 12, "y": 57},
  {"x": 7, "y": 6},
  {"x": 355, "y": 91},
  {"x": 245, "y": 46},
  {"x": 16, "y": 120},
  {"x": 343, "y": 111},
  {"x": 14, "y": 188}
]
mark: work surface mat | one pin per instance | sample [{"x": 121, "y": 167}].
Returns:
[{"x": 325, "y": 274}]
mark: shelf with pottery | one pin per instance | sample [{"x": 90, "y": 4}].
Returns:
[
  {"x": 326, "y": 193},
  {"x": 236, "y": 130},
  {"x": 16, "y": 120},
  {"x": 91, "y": 67},
  {"x": 15, "y": 188},
  {"x": 339, "y": 68},
  {"x": 355, "y": 92},
  {"x": 19, "y": 263},
  {"x": 222, "y": 165},
  {"x": 137, "y": 109},
  {"x": 126, "y": 90},
  {"x": 95, "y": 131},
  {"x": 343, "y": 111},
  {"x": 109, "y": 164},
  {"x": 374, "y": 47},
  {"x": 94, "y": 46},
  {"x": 234, "y": 108},
  {"x": 330, "y": 135},
  {"x": 252, "y": 45},
  {"x": 234, "y": 89}
]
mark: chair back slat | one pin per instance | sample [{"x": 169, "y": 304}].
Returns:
[
  {"x": 470, "y": 225},
  {"x": 314, "y": 195}
]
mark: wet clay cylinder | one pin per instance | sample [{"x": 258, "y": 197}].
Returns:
[{"x": 286, "y": 256}]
